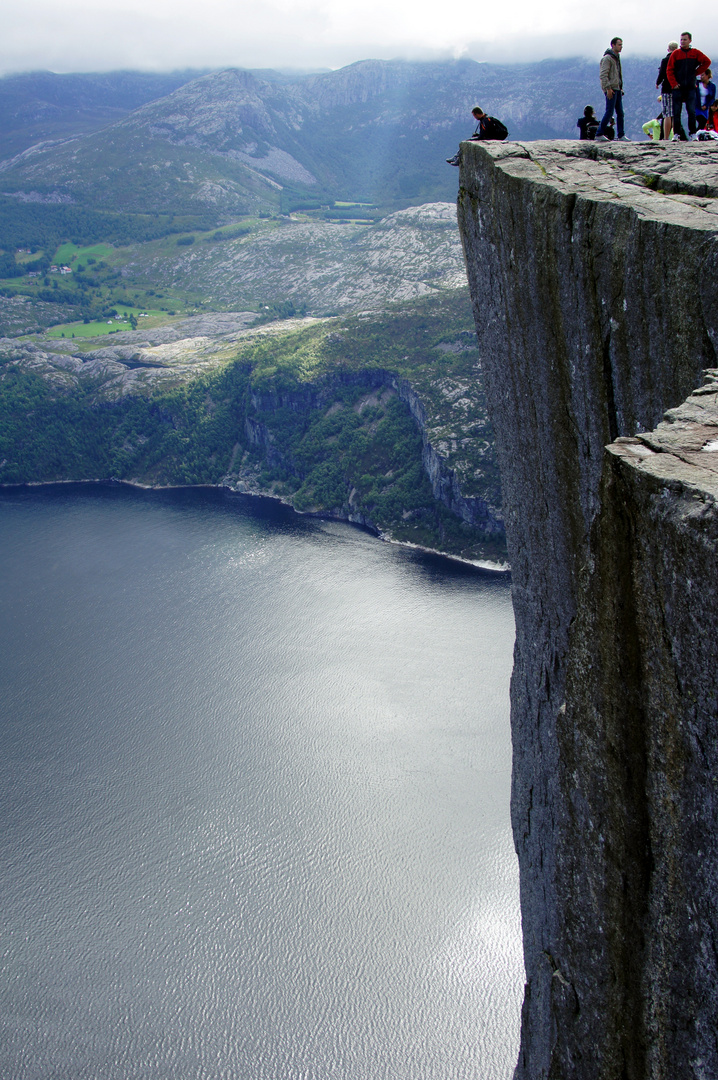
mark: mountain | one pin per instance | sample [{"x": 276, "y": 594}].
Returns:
[
  {"x": 233, "y": 142},
  {"x": 285, "y": 265},
  {"x": 41, "y": 106},
  {"x": 322, "y": 267}
]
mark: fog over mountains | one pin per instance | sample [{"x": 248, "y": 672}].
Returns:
[{"x": 237, "y": 141}]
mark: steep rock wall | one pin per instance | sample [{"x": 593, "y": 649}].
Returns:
[
  {"x": 445, "y": 484},
  {"x": 444, "y": 481},
  {"x": 595, "y": 292}
]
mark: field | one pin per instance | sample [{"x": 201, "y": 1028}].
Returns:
[
  {"x": 99, "y": 328},
  {"x": 68, "y": 253}
]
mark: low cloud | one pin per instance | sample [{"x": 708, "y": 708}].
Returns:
[{"x": 163, "y": 35}]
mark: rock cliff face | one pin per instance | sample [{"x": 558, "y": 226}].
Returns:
[
  {"x": 594, "y": 280},
  {"x": 446, "y": 487}
]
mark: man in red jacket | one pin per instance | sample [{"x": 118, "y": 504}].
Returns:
[{"x": 683, "y": 68}]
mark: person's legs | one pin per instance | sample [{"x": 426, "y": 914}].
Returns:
[
  {"x": 690, "y": 99},
  {"x": 667, "y": 103},
  {"x": 677, "y": 106},
  {"x": 618, "y": 98},
  {"x": 610, "y": 106}
]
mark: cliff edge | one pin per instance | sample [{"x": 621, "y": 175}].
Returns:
[{"x": 593, "y": 273}]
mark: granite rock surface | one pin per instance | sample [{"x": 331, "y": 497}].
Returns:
[{"x": 593, "y": 273}]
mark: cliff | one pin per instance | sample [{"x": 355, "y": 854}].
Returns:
[
  {"x": 448, "y": 483},
  {"x": 593, "y": 279}
]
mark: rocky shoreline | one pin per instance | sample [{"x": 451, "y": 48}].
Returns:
[{"x": 256, "y": 493}]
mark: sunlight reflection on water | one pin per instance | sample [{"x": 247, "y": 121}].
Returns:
[{"x": 254, "y": 794}]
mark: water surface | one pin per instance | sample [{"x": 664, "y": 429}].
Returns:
[{"x": 254, "y": 782}]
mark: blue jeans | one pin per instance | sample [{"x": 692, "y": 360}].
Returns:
[
  {"x": 615, "y": 102},
  {"x": 684, "y": 94}
]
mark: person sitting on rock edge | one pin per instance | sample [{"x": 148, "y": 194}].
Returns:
[
  {"x": 487, "y": 127},
  {"x": 652, "y": 128},
  {"x": 711, "y": 129},
  {"x": 587, "y": 124},
  {"x": 611, "y": 77}
]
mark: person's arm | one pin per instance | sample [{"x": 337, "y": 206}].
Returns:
[
  {"x": 670, "y": 73},
  {"x": 604, "y": 74},
  {"x": 662, "y": 72},
  {"x": 704, "y": 62}
]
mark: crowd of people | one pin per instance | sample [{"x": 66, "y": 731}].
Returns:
[{"x": 684, "y": 78}]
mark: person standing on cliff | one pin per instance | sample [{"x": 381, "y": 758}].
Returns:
[
  {"x": 666, "y": 91},
  {"x": 683, "y": 68},
  {"x": 705, "y": 96},
  {"x": 611, "y": 78}
]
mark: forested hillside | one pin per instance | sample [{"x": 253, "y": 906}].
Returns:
[{"x": 378, "y": 419}]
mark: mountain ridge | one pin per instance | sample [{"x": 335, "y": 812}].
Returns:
[{"x": 333, "y": 135}]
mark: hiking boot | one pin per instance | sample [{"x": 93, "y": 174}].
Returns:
[
  {"x": 455, "y": 160},
  {"x": 602, "y": 138},
  {"x": 624, "y": 138}
]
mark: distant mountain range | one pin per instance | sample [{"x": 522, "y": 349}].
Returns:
[
  {"x": 236, "y": 142},
  {"x": 41, "y": 106}
]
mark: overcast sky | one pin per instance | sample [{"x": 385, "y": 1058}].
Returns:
[{"x": 104, "y": 35}]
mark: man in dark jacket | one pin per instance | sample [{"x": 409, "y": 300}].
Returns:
[
  {"x": 611, "y": 78},
  {"x": 487, "y": 127},
  {"x": 587, "y": 124},
  {"x": 683, "y": 68},
  {"x": 666, "y": 92}
]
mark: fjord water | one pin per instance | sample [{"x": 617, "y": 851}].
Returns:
[{"x": 254, "y": 784}]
